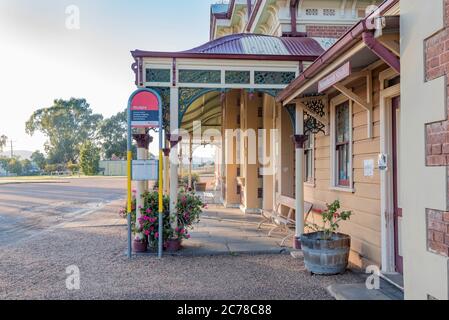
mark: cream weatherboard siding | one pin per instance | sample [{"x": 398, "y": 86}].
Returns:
[{"x": 365, "y": 224}]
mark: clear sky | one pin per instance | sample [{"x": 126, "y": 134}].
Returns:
[{"x": 41, "y": 60}]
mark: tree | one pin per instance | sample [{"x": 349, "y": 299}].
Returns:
[
  {"x": 27, "y": 166},
  {"x": 67, "y": 124},
  {"x": 89, "y": 158},
  {"x": 39, "y": 159},
  {"x": 112, "y": 134},
  {"x": 15, "y": 166},
  {"x": 3, "y": 142}
]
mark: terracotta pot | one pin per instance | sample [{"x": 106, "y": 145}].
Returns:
[
  {"x": 139, "y": 246},
  {"x": 173, "y": 245}
]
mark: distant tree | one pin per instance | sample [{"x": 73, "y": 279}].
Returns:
[
  {"x": 49, "y": 168},
  {"x": 15, "y": 166},
  {"x": 89, "y": 158},
  {"x": 73, "y": 167},
  {"x": 112, "y": 135},
  {"x": 67, "y": 124},
  {"x": 27, "y": 166},
  {"x": 39, "y": 159},
  {"x": 3, "y": 142}
]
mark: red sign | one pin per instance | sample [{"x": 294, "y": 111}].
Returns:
[
  {"x": 341, "y": 73},
  {"x": 145, "y": 110}
]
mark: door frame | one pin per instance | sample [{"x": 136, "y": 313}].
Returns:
[{"x": 386, "y": 176}]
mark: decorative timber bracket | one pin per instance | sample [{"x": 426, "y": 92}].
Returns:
[
  {"x": 366, "y": 103},
  {"x": 316, "y": 111}
]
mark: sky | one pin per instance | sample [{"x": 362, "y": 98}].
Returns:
[{"x": 42, "y": 60}]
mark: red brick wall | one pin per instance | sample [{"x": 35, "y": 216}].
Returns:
[
  {"x": 326, "y": 31},
  {"x": 438, "y": 232},
  {"x": 437, "y": 135}
]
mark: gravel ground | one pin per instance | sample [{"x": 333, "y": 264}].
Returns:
[{"x": 36, "y": 269}]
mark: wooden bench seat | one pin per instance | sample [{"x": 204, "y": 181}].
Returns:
[{"x": 285, "y": 223}]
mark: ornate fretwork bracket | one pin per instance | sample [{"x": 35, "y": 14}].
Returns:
[{"x": 316, "y": 113}]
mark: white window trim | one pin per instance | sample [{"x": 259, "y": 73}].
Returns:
[
  {"x": 333, "y": 165},
  {"x": 312, "y": 146}
]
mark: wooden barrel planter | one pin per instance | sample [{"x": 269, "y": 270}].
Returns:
[{"x": 325, "y": 257}]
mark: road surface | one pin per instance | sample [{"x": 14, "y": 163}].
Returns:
[{"x": 30, "y": 208}]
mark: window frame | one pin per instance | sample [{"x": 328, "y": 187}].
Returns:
[
  {"x": 337, "y": 101},
  {"x": 311, "y": 149}
]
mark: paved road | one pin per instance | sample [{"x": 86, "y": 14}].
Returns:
[{"x": 27, "y": 209}]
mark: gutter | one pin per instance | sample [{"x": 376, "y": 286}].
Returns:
[
  {"x": 149, "y": 54},
  {"x": 346, "y": 41},
  {"x": 383, "y": 53}
]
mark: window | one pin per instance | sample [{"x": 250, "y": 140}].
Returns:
[
  {"x": 308, "y": 159},
  {"x": 342, "y": 145}
]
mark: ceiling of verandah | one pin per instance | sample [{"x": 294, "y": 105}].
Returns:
[{"x": 206, "y": 110}]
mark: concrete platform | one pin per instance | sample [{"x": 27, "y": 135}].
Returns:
[
  {"x": 359, "y": 291},
  {"x": 224, "y": 231}
]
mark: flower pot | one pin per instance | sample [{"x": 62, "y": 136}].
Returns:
[
  {"x": 173, "y": 245},
  {"x": 139, "y": 246},
  {"x": 325, "y": 257}
]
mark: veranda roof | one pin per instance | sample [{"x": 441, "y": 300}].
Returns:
[{"x": 248, "y": 46}]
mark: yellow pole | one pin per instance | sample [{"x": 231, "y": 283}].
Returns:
[
  {"x": 130, "y": 157},
  {"x": 161, "y": 204}
]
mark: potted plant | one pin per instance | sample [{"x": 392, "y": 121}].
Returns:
[
  {"x": 325, "y": 250},
  {"x": 188, "y": 210}
]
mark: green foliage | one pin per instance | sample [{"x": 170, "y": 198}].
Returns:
[
  {"x": 39, "y": 159},
  {"x": 188, "y": 210},
  {"x": 27, "y": 166},
  {"x": 49, "y": 168},
  {"x": 15, "y": 166},
  {"x": 3, "y": 142},
  {"x": 112, "y": 135},
  {"x": 89, "y": 158},
  {"x": 67, "y": 124},
  {"x": 331, "y": 219},
  {"x": 73, "y": 167}
]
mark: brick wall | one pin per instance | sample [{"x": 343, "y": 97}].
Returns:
[
  {"x": 326, "y": 31},
  {"x": 437, "y": 135},
  {"x": 438, "y": 232}
]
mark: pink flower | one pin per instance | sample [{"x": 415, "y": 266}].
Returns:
[
  {"x": 147, "y": 232},
  {"x": 182, "y": 231},
  {"x": 156, "y": 235},
  {"x": 176, "y": 229},
  {"x": 151, "y": 228},
  {"x": 134, "y": 191},
  {"x": 188, "y": 236},
  {"x": 148, "y": 210}
]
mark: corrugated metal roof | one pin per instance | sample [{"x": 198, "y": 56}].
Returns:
[{"x": 246, "y": 43}]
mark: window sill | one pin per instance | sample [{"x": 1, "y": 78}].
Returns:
[
  {"x": 310, "y": 184},
  {"x": 342, "y": 189}
]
